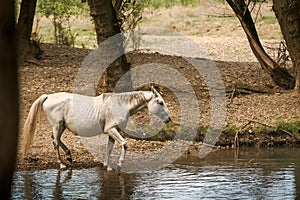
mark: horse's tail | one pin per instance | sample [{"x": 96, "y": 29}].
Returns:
[{"x": 30, "y": 123}]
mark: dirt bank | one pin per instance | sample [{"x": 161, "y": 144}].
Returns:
[{"x": 56, "y": 71}]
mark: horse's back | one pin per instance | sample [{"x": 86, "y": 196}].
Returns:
[
  {"x": 56, "y": 100},
  {"x": 54, "y": 105},
  {"x": 65, "y": 98},
  {"x": 80, "y": 114}
]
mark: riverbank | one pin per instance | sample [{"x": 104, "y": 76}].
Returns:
[{"x": 250, "y": 96}]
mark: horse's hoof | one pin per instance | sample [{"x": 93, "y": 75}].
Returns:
[
  {"x": 109, "y": 169},
  {"x": 62, "y": 166},
  {"x": 70, "y": 160}
]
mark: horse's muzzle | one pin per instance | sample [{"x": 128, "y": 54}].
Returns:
[{"x": 167, "y": 120}]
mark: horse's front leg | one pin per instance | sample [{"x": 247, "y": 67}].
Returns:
[{"x": 116, "y": 136}]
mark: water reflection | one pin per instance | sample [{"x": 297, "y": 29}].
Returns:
[
  {"x": 93, "y": 183},
  {"x": 247, "y": 174},
  {"x": 117, "y": 185},
  {"x": 58, "y": 191}
]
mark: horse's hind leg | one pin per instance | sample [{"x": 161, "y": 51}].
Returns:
[
  {"x": 57, "y": 131},
  {"x": 66, "y": 150},
  {"x": 110, "y": 146}
]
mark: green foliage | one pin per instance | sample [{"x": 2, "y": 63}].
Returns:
[
  {"x": 61, "y": 8},
  {"x": 168, "y": 132},
  {"x": 60, "y": 12},
  {"x": 230, "y": 129},
  {"x": 259, "y": 1},
  {"x": 292, "y": 127},
  {"x": 168, "y": 3},
  {"x": 260, "y": 129},
  {"x": 280, "y": 126},
  {"x": 129, "y": 14},
  {"x": 268, "y": 20}
]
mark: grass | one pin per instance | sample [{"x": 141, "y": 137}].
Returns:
[
  {"x": 268, "y": 19},
  {"x": 280, "y": 128},
  {"x": 156, "y": 4},
  {"x": 81, "y": 26},
  {"x": 293, "y": 127}
]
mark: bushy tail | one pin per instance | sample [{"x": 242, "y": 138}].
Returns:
[{"x": 30, "y": 123}]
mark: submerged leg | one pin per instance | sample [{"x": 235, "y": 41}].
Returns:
[
  {"x": 57, "y": 131},
  {"x": 110, "y": 146},
  {"x": 116, "y": 136}
]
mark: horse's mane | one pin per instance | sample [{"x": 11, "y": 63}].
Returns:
[{"x": 134, "y": 98}]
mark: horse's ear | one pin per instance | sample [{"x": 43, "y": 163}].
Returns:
[{"x": 154, "y": 91}]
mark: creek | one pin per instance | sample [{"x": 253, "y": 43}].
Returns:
[{"x": 250, "y": 173}]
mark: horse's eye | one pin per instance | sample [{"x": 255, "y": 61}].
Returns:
[{"x": 160, "y": 103}]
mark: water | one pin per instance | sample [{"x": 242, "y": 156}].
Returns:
[{"x": 225, "y": 174}]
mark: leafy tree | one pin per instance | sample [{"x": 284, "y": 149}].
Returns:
[
  {"x": 110, "y": 19},
  {"x": 280, "y": 75},
  {"x": 60, "y": 12},
  {"x": 107, "y": 25},
  {"x": 129, "y": 12}
]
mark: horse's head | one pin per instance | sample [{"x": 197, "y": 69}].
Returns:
[{"x": 157, "y": 106}]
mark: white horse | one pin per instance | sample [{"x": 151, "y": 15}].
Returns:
[{"x": 89, "y": 116}]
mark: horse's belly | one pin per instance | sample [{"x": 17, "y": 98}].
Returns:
[
  {"x": 84, "y": 128},
  {"x": 83, "y": 117}
]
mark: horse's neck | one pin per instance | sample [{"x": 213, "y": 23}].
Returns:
[{"x": 137, "y": 102}]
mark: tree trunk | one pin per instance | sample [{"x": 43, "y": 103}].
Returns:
[
  {"x": 106, "y": 26},
  {"x": 24, "y": 28},
  {"x": 8, "y": 98},
  {"x": 288, "y": 16},
  {"x": 279, "y": 75}
]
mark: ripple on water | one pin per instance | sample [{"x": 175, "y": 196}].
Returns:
[{"x": 270, "y": 175}]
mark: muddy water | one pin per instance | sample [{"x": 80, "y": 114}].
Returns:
[{"x": 226, "y": 174}]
